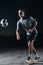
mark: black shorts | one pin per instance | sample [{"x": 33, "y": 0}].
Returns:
[{"x": 31, "y": 37}]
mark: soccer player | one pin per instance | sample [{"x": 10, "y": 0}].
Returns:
[{"x": 29, "y": 25}]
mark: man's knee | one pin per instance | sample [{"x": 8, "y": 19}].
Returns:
[{"x": 29, "y": 45}]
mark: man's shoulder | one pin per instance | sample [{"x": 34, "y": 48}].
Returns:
[
  {"x": 18, "y": 21},
  {"x": 31, "y": 17}
]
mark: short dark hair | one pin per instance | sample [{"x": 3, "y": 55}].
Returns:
[{"x": 20, "y": 10}]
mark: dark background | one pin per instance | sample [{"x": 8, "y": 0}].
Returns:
[{"x": 8, "y": 10}]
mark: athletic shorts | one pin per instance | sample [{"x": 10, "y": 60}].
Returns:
[{"x": 31, "y": 37}]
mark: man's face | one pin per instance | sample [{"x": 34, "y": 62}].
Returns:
[{"x": 21, "y": 14}]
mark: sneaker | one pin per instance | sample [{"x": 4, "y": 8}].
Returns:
[
  {"x": 36, "y": 59},
  {"x": 28, "y": 60}
]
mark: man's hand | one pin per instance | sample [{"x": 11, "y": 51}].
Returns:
[
  {"x": 17, "y": 35},
  {"x": 30, "y": 30}
]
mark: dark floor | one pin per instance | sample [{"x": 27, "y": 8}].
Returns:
[
  {"x": 16, "y": 56},
  {"x": 13, "y": 52}
]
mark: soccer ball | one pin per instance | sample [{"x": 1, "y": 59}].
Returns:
[{"x": 4, "y": 22}]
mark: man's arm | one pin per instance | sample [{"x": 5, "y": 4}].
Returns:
[
  {"x": 17, "y": 32},
  {"x": 34, "y": 21},
  {"x": 35, "y": 25}
]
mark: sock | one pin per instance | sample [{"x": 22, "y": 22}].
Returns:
[
  {"x": 37, "y": 55},
  {"x": 30, "y": 55}
]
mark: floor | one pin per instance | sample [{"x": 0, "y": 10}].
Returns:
[{"x": 17, "y": 56}]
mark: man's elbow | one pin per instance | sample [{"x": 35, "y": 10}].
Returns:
[{"x": 36, "y": 23}]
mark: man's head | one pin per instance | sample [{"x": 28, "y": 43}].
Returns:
[{"x": 21, "y": 13}]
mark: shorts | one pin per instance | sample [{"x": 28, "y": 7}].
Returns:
[{"x": 31, "y": 37}]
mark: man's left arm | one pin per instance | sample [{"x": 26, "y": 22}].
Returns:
[
  {"x": 34, "y": 21},
  {"x": 35, "y": 25}
]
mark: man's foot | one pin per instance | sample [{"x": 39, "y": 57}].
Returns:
[
  {"x": 36, "y": 59},
  {"x": 28, "y": 60}
]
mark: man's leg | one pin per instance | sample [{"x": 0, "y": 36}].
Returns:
[
  {"x": 34, "y": 50},
  {"x": 32, "y": 47},
  {"x": 29, "y": 49},
  {"x": 29, "y": 53}
]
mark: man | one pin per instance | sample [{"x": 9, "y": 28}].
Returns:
[{"x": 29, "y": 25}]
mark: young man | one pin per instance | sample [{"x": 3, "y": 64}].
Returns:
[{"x": 29, "y": 25}]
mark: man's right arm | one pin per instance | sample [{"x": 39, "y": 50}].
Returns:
[{"x": 17, "y": 32}]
